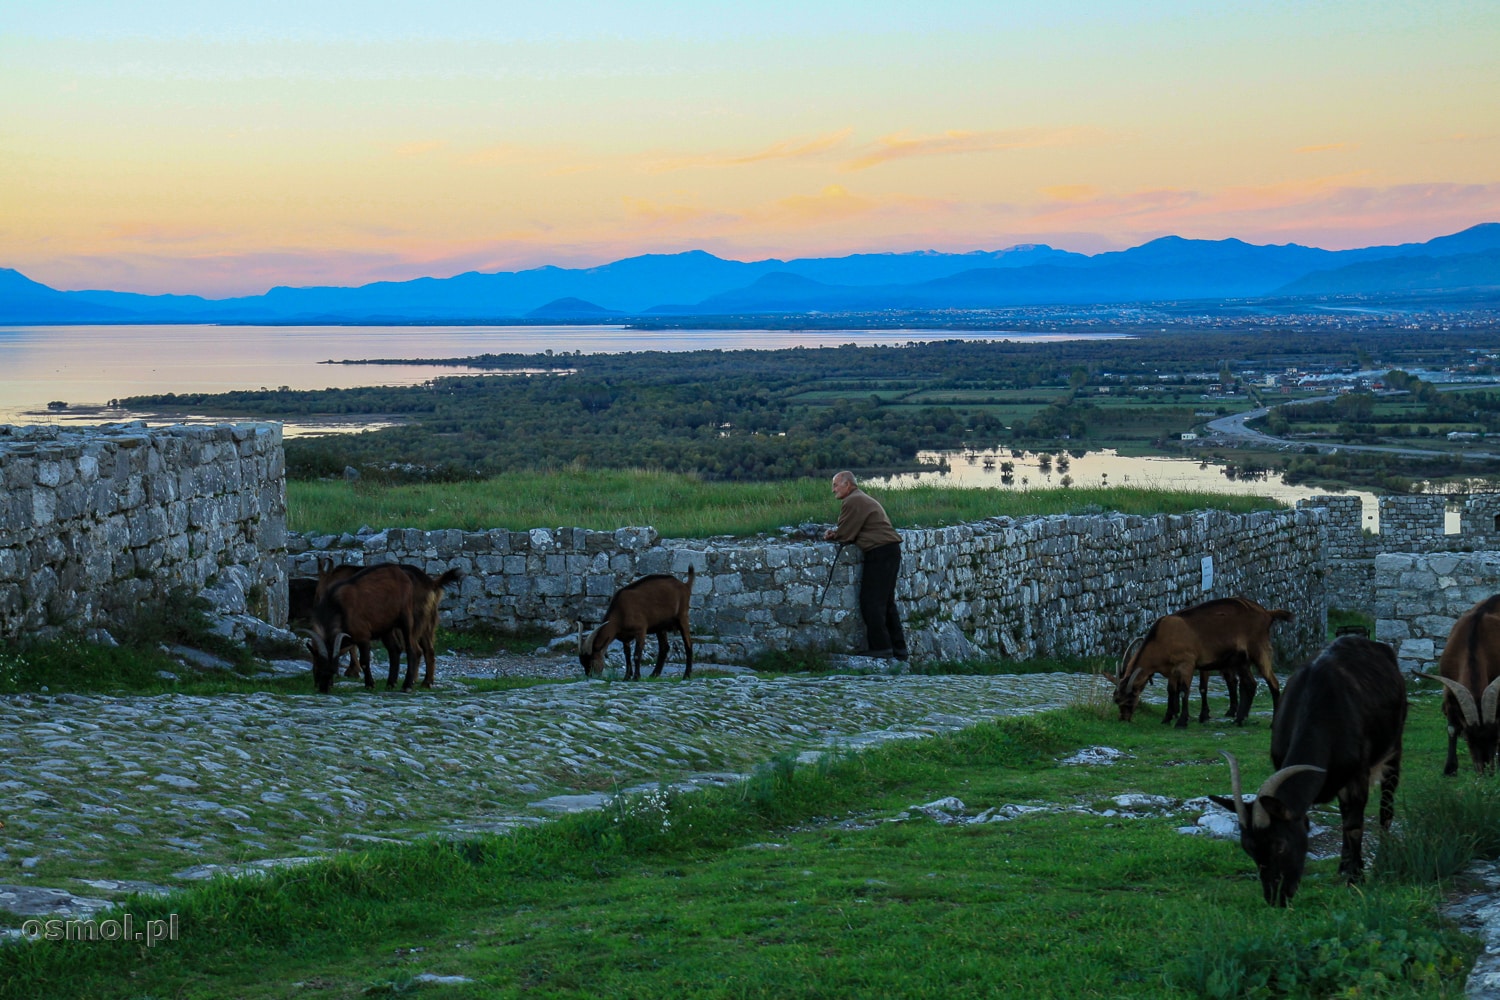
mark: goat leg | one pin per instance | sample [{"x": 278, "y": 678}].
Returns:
[
  {"x": 1247, "y": 697},
  {"x": 364, "y": 665},
  {"x": 1352, "y": 800},
  {"x": 687, "y": 645},
  {"x": 1203, "y": 713},
  {"x": 1450, "y": 766},
  {"x": 413, "y": 653},
  {"x": 430, "y": 653},
  {"x": 661, "y": 652}
]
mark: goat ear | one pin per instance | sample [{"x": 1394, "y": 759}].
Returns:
[
  {"x": 1111, "y": 678},
  {"x": 1226, "y": 802},
  {"x": 1274, "y": 807}
]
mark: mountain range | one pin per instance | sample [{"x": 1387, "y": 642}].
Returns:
[{"x": 696, "y": 283}]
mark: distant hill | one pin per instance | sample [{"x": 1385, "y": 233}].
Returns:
[
  {"x": 698, "y": 283},
  {"x": 571, "y": 308},
  {"x": 1462, "y": 272}
]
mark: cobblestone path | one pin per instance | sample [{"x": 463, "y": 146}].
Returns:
[{"x": 102, "y": 794}]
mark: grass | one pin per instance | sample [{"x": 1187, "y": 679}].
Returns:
[
  {"x": 796, "y": 884},
  {"x": 682, "y": 506}
]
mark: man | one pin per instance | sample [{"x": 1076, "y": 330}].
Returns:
[{"x": 862, "y": 521}]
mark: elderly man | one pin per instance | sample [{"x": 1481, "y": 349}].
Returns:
[{"x": 862, "y": 521}]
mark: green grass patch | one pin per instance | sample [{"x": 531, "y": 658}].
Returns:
[
  {"x": 1344, "y": 618},
  {"x": 682, "y": 506},
  {"x": 485, "y": 641},
  {"x": 794, "y": 883}
]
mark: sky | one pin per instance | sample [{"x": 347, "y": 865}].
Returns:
[{"x": 221, "y": 149}]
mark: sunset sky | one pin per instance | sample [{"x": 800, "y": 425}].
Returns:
[{"x": 221, "y": 149}]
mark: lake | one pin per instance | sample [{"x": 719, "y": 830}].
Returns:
[
  {"x": 90, "y": 365},
  {"x": 1106, "y": 468}
]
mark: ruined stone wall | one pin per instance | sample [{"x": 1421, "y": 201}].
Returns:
[
  {"x": 1408, "y": 524},
  {"x": 98, "y": 522},
  {"x": 1418, "y": 597},
  {"x": 1058, "y": 586}
]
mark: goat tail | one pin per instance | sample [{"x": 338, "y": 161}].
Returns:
[
  {"x": 692, "y": 575},
  {"x": 1282, "y": 615}
]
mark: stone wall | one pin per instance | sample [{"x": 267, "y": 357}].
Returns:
[
  {"x": 98, "y": 522},
  {"x": 1418, "y": 597},
  {"x": 1408, "y": 524},
  {"x": 1059, "y": 586}
]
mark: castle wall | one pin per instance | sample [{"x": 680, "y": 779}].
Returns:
[
  {"x": 98, "y": 522},
  {"x": 1038, "y": 586}
]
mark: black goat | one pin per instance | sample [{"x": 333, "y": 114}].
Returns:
[
  {"x": 1338, "y": 728},
  {"x": 656, "y": 603}
]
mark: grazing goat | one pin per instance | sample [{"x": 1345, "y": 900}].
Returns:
[
  {"x": 656, "y": 603},
  {"x": 1470, "y": 673},
  {"x": 1227, "y": 634},
  {"x": 1337, "y": 731},
  {"x": 379, "y": 602},
  {"x": 328, "y": 575}
]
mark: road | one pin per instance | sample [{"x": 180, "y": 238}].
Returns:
[{"x": 1233, "y": 427}]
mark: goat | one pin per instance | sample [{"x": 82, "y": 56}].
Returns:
[
  {"x": 1470, "y": 674},
  {"x": 1338, "y": 730},
  {"x": 328, "y": 575},
  {"x": 428, "y": 594},
  {"x": 379, "y": 602},
  {"x": 1230, "y": 633},
  {"x": 656, "y": 603}
]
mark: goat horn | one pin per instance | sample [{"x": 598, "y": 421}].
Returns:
[
  {"x": 319, "y": 647},
  {"x": 1461, "y": 695},
  {"x": 1487, "y": 701},
  {"x": 338, "y": 644},
  {"x": 1234, "y": 783},
  {"x": 1273, "y": 785},
  {"x": 1130, "y": 651}
]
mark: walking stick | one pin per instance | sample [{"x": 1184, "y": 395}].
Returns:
[{"x": 831, "y": 570}]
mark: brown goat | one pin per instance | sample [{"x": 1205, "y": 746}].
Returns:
[
  {"x": 656, "y": 603},
  {"x": 379, "y": 602},
  {"x": 328, "y": 575},
  {"x": 1470, "y": 674},
  {"x": 1226, "y": 634}
]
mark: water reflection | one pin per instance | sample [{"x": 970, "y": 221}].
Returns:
[{"x": 1019, "y": 470}]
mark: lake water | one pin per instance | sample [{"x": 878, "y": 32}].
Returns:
[
  {"x": 1106, "y": 468},
  {"x": 90, "y": 365}
]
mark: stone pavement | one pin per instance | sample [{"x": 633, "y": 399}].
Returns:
[{"x": 106, "y": 794}]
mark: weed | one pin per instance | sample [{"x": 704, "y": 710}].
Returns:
[
  {"x": 791, "y": 661},
  {"x": 1386, "y": 945},
  {"x": 1445, "y": 824}
]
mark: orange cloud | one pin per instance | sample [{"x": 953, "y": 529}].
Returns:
[
  {"x": 1071, "y": 192},
  {"x": 899, "y": 147},
  {"x": 787, "y": 149},
  {"x": 655, "y": 213},
  {"x": 834, "y": 203}
]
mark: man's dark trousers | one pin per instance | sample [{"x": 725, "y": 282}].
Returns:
[{"x": 877, "y": 598}]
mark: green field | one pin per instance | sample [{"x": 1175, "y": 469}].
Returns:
[{"x": 682, "y": 506}]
